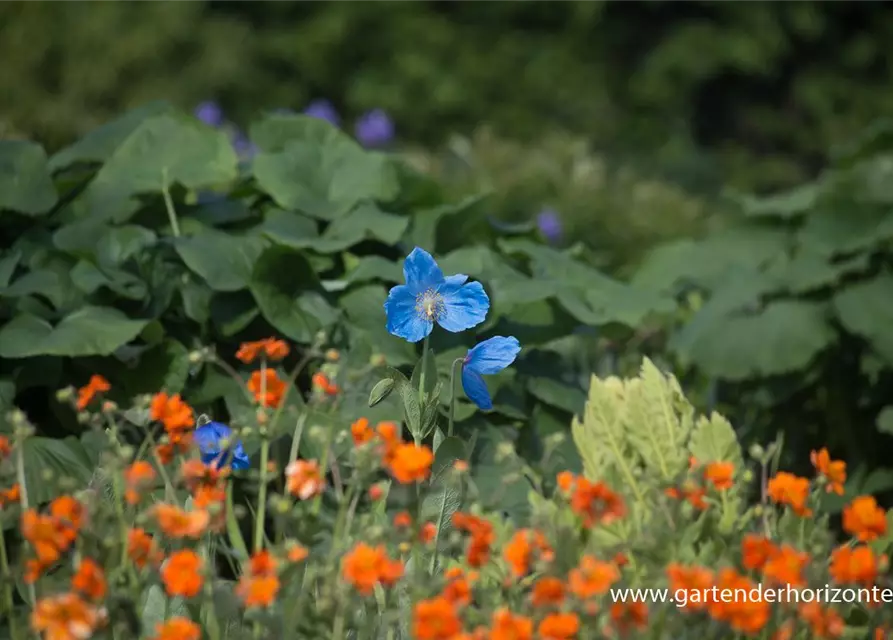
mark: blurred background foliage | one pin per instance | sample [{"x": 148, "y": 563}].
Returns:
[{"x": 648, "y": 98}]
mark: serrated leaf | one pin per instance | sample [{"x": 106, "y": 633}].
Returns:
[
  {"x": 225, "y": 261},
  {"x": 25, "y": 184},
  {"x": 714, "y": 440}
]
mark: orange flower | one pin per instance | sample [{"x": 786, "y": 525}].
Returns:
[
  {"x": 507, "y": 626},
  {"x": 69, "y": 513},
  {"x": 458, "y": 587},
  {"x": 361, "y": 432},
  {"x": 411, "y": 463},
  {"x": 547, "y": 591},
  {"x": 304, "y": 479},
  {"x": 691, "y": 580},
  {"x": 206, "y": 482},
  {"x": 435, "y": 619},
  {"x": 854, "y": 564},
  {"x": 172, "y": 412},
  {"x": 51, "y": 534},
  {"x": 824, "y": 623},
  {"x": 89, "y": 580},
  {"x": 592, "y": 578},
  {"x": 259, "y": 585},
  {"x": 322, "y": 382},
  {"x": 267, "y": 388},
  {"x": 178, "y": 628},
  {"x": 5, "y": 447},
  {"x": 592, "y": 501},
  {"x": 834, "y": 471},
  {"x": 273, "y": 349},
  {"x": 756, "y": 550},
  {"x": 65, "y": 617},
  {"x": 402, "y": 519},
  {"x": 141, "y": 548},
  {"x": 177, "y": 523},
  {"x": 482, "y": 537},
  {"x": 520, "y": 550},
  {"x": 785, "y": 566},
  {"x": 559, "y": 626},
  {"x": 97, "y": 384},
  {"x": 428, "y": 532},
  {"x": 138, "y": 477},
  {"x": 786, "y": 488},
  {"x": 720, "y": 474},
  {"x": 11, "y": 495},
  {"x": 365, "y": 566},
  {"x": 742, "y": 614},
  {"x": 296, "y": 552},
  {"x": 376, "y": 492},
  {"x": 629, "y": 615},
  {"x": 864, "y": 519},
  {"x": 182, "y": 574}
]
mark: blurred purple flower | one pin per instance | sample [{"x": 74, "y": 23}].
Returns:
[
  {"x": 549, "y": 223},
  {"x": 374, "y": 128},
  {"x": 324, "y": 110},
  {"x": 245, "y": 149},
  {"x": 210, "y": 113}
]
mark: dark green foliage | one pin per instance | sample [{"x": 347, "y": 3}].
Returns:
[
  {"x": 147, "y": 240},
  {"x": 765, "y": 88},
  {"x": 798, "y": 327}
]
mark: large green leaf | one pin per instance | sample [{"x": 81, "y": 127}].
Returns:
[
  {"x": 289, "y": 295},
  {"x": 224, "y": 260},
  {"x": 290, "y": 229},
  {"x": 60, "y": 458},
  {"x": 86, "y": 332},
  {"x": 736, "y": 345},
  {"x": 366, "y": 221},
  {"x": 314, "y": 168},
  {"x": 833, "y": 231},
  {"x": 99, "y": 144},
  {"x": 163, "y": 150},
  {"x": 165, "y": 366},
  {"x": 25, "y": 184},
  {"x": 866, "y": 309}
]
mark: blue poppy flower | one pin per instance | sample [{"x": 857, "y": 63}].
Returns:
[
  {"x": 324, "y": 110},
  {"x": 428, "y": 297},
  {"x": 210, "y": 113},
  {"x": 549, "y": 223},
  {"x": 374, "y": 128},
  {"x": 489, "y": 357},
  {"x": 209, "y": 436}
]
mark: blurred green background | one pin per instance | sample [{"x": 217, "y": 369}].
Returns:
[{"x": 627, "y": 118}]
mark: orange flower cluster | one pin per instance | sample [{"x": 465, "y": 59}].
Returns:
[
  {"x": 259, "y": 585},
  {"x": 303, "y": 479},
  {"x": 51, "y": 534},
  {"x": 833, "y": 471},
  {"x": 365, "y": 566},
  {"x": 322, "y": 383},
  {"x": 5, "y": 447},
  {"x": 779, "y": 564},
  {"x": 138, "y": 477},
  {"x": 592, "y": 577},
  {"x": 89, "y": 580},
  {"x": 11, "y": 495},
  {"x": 177, "y": 523},
  {"x": 482, "y": 536},
  {"x": 205, "y": 482},
  {"x": 743, "y": 615},
  {"x": 178, "y": 421},
  {"x": 267, "y": 388},
  {"x": 142, "y": 549},
  {"x": 787, "y": 489},
  {"x": 182, "y": 574},
  {"x": 407, "y": 462},
  {"x": 178, "y": 628},
  {"x": 864, "y": 519},
  {"x": 857, "y": 564},
  {"x": 96, "y": 385},
  {"x": 66, "y": 616},
  {"x": 594, "y": 502},
  {"x": 525, "y": 547},
  {"x": 272, "y": 348}
]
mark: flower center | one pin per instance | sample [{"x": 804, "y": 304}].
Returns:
[{"x": 429, "y": 305}]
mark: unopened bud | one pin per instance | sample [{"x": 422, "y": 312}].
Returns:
[
  {"x": 65, "y": 395},
  {"x": 404, "y": 547},
  {"x": 504, "y": 450},
  {"x": 333, "y": 355},
  {"x": 320, "y": 338},
  {"x": 109, "y": 407},
  {"x": 747, "y": 476},
  {"x": 378, "y": 360},
  {"x": 46, "y": 474},
  {"x": 756, "y": 452},
  {"x": 127, "y": 452},
  {"x": 196, "y": 356}
]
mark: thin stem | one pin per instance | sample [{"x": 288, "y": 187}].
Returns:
[
  {"x": 7, "y": 589},
  {"x": 456, "y": 362},
  {"x": 23, "y": 493},
  {"x": 264, "y": 459},
  {"x": 169, "y": 204},
  {"x": 296, "y": 438},
  {"x": 417, "y": 437}
]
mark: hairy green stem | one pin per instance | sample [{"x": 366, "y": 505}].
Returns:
[
  {"x": 7, "y": 589},
  {"x": 457, "y": 362},
  {"x": 264, "y": 459},
  {"x": 169, "y": 204},
  {"x": 23, "y": 496},
  {"x": 417, "y": 437}
]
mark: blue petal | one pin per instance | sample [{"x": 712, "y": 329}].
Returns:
[
  {"x": 209, "y": 436},
  {"x": 421, "y": 272},
  {"x": 404, "y": 321},
  {"x": 465, "y": 305},
  {"x": 476, "y": 388},
  {"x": 493, "y": 355}
]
